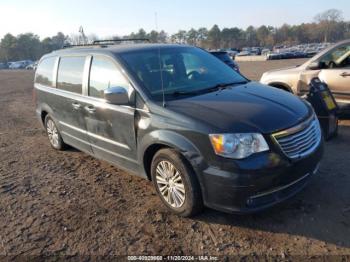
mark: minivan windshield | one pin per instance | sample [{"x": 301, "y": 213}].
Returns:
[{"x": 181, "y": 71}]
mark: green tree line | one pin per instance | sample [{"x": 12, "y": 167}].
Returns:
[
  {"x": 328, "y": 26},
  {"x": 28, "y": 46}
]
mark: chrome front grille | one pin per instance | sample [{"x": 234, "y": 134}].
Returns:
[{"x": 301, "y": 140}]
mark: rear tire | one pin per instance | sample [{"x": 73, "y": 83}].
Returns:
[
  {"x": 176, "y": 183},
  {"x": 53, "y": 134}
]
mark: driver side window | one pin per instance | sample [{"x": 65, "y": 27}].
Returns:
[
  {"x": 105, "y": 74},
  {"x": 337, "y": 58}
]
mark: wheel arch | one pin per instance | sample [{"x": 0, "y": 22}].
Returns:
[
  {"x": 281, "y": 85},
  {"x": 45, "y": 110},
  {"x": 148, "y": 157},
  {"x": 43, "y": 115},
  {"x": 160, "y": 139}
]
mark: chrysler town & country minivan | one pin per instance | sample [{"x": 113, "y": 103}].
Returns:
[{"x": 178, "y": 116}]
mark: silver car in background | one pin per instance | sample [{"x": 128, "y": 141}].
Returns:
[{"x": 332, "y": 66}]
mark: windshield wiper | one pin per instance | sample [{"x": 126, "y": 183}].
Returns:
[
  {"x": 222, "y": 86},
  {"x": 219, "y": 86},
  {"x": 183, "y": 93}
]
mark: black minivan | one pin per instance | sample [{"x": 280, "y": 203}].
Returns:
[{"x": 178, "y": 116}]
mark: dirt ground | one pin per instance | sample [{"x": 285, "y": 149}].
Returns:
[{"x": 70, "y": 204}]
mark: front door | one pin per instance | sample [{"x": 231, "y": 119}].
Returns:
[
  {"x": 111, "y": 128},
  {"x": 338, "y": 80},
  {"x": 337, "y": 73}
]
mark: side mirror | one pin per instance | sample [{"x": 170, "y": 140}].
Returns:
[
  {"x": 116, "y": 96},
  {"x": 315, "y": 65}
]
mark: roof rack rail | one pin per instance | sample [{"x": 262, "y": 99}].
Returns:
[
  {"x": 80, "y": 45},
  {"x": 97, "y": 42},
  {"x": 108, "y": 42}
]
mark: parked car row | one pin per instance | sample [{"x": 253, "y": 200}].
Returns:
[
  {"x": 3, "y": 66},
  {"x": 286, "y": 55},
  {"x": 24, "y": 64},
  {"x": 248, "y": 51},
  {"x": 232, "y": 52},
  {"x": 279, "y": 52},
  {"x": 297, "y": 51},
  {"x": 32, "y": 66}
]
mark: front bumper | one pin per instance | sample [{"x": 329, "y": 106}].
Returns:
[{"x": 257, "y": 183}]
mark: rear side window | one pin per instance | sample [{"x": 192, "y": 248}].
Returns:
[
  {"x": 70, "y": 74},
  {"x": 105, "y": 74},
  {"x": 44, "y": 73}
]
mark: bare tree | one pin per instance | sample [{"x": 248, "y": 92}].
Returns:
[
  {"x": 91, "y": 38},
  {"x": 327, "y": 21},
  {"x": 74, "y": 39}
]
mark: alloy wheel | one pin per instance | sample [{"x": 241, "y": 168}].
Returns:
[
  {"x": 52, "y": 133},
  {"x": 170, "y": 184}
]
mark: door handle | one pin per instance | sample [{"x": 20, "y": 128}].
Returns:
[
  {"x": 90, "y": 109},
  {"x": 76, "y": 105},
  {"x": 345, "y": 74}
]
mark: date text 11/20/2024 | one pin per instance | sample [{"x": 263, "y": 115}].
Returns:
[{"x": 173, "y": 258}]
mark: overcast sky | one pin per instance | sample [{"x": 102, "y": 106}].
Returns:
[{"x": 118, "y": 17}]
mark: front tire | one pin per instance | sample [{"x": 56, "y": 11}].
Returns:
[
  {"x": 53, "y": 134},
  {"x": 176, "y": 183}
]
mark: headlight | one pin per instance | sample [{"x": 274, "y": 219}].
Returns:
[{"x": 238, "y": 146}]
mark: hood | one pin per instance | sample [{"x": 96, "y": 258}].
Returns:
[
  {"x": 289, "y": 68},
  {"x": 252, "y": 107}
]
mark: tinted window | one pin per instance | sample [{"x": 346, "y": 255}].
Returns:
[
  {"x": 183, "y": 69},
  {"x": 70, "y": 74},
  {"x": 104, "y": 74},
  {"x": 44, "y": 73}
]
